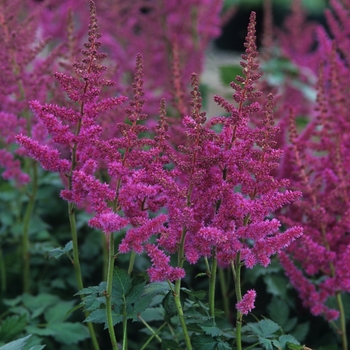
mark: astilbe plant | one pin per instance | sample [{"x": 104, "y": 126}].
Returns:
[
  {"x": 316, "y": 162},
  {"x": 74, "y": 129},
  {"x": 25, "y": 72},
  {"x": 317, "y": 264},
  {"x": 213, "y": 197}
]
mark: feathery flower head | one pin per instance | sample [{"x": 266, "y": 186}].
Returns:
[{"x": 247, "y": 303}]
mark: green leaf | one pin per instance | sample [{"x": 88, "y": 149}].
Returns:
[
  {"x": 93, "y": 299},
  {"x": 287, "y": 339},
  {"x": 251, "y": 275},
  {"x": 203, "y": 342},
  {"x": 44, "y": 332},
  {"x": 39, "y": 303},
  {"x": 278, "y": 311},
  {"x": 222, "y": 345},
  {"x": 12, "y": 302},
  {"x": 290, "y": 324},
  {"x": 198, "y": 294},
  {"x": 266, "y": 343},
  {"x": 99, "y": 316},
  {"x": 93, "y": 290},
  {"x": 18, "y": 344},
  {"x": 169, "y": 306},
  {"x": 37, "y": 347},
  {"x": 156, "y": 288},
  {"x": 301, "y": 331},
  {"x": 276, "y": 285},
  {"x": 121, "y": 283},
  {"x": 140, "y": 305},
  {"x": 169, "y": 344},
  {"x": 58, "y": 252},
  {"x": 212, "y": 331},
  {"x": 135, "y": 293},
  {"x": 12, "y": 326},
  {"x": 58, "y": 312},
  {"x": 153, "y": 314},
  {"x": 68, "y": 332},
  {"x": 264, "y": 328}
]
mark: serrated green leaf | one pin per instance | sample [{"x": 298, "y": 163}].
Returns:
[
  {"x": 92, "y": 303},
  {"x": 68, "y": 332},
  {"x": 93, "y": 290},
  {"x": 135, "y": 293},
  {"x": 265, "y": 343},
  {"x": 99, "y": 316},
  {"x": 264, "y": 328},
  {"x": 156, "y": 288},
  {"x": 278, "y": 311},
  {"x": 212, "y": 331},
  {"x": 12, "y": 326},
  {"x": 169, "y": 306},
  {"x": 222, "y": 345},
  {"x": 140, "y": 305},
  {"x": 18, "y": 344},
  {"x": 203, "y": 342},
  {"x": 58, "y": 252},
  {"x": 121, "y": 284},
  {"x": 194, "y": 327}
]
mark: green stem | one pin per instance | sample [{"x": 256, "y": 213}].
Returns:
[
  {"x": 236, "y": 270},
  {"x": 3, "y": 272},
  {"x": 26, "y": 223},
  {"x": 77, "y": 268},
  {"x": 125, "y": 327},
  {"x": 177, "y": 292},
  {"x": 131, "y": 262},
  {"x": 181, "y": 314},
  {"x": 109, "y": 293},
  {"x": 224, "y": 289},
  {"x": 104, "y": 256},
  {"x": 342, "y": 321},
  {"x": 212, "y": 282},
  {"x": 154, "y": 333}
]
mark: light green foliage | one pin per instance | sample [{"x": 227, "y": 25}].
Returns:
[{"x": 43, "y": 315}]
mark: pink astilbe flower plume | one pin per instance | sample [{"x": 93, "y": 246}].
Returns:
[
  {"x": 247, "y": 303},
  {"x": 319, "y": 158},
  {"x": 220, "y": 192},
  {"x": 76, "y": 130}
]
